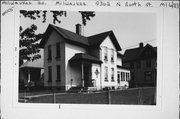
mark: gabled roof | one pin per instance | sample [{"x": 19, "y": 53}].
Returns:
[
  {"x": 76, "y": 39},
  {"x": 97, "y": 39},
  {"x": 38, "y": 63},
  {"x": 33, "y": 64},
  {"x": 135, "y": 53},
  {"x": 119, "y": 54},
  {"x": 69, "y": 36},
  {"x": 84, "y": 57}
]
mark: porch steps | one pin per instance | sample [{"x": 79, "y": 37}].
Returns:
[{"x": 75, "y": 90}]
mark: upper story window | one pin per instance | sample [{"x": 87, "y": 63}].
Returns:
[
  {"x": 106, "y": 54},
  {"x": 127, "y": 76},
  {"x": 106, "y": 73},
  {"x": 58, "y": 51},
  {"x": 112, "y": 55},
  {"x": 132, "y": 65},
  {"x": 132, "y": 76},
  {"x": 148, "y": 75},
  {"x": 118, "y": 77},
  {"x": 112, "y": 74},
  {"x": 138, "y": 64},
  {"x": 49, "y": 74},
  {"x": 148, "y": 63},
  {"x": 148, "y": 54},
  {"x": 49, "y": 53}
]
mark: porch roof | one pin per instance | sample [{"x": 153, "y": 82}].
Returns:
[
  {"x": 38, "y": 64},
  {"x": 84, "y": 57},
  {"x": 122, "y": 67}
]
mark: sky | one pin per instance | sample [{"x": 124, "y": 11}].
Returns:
[{"x": 129, "y": 28}]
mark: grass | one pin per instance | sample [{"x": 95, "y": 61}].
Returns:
[{"x": 141, "y": 96}]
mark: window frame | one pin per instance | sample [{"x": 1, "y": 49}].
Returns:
[
  {"x": 146, "y": 75},
  {"x": 106, "y": 54},
  {"x": 58, "y": 76},
  {"x": 58, "y": 50},
  {"x": 138, "y": 64},
  {"x": 112, "y": 55},
  {"x": 148, "y": 64},
  {"x": 106, "y": 73},
  {"x": 112, "y": 74},
  {"x": 49, "y": 73},
  {"x": 49, "y": 53}
]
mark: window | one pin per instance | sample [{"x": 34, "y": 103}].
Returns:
[
  {"x": 138, "y": 64},
  {"x": 126, "y": 79},
  {"x": 132, "y": 65},
  {"x": 112, "y": 55},
  {"x": 58, "y": 71},
  {"x": 148, "y": 63},
  {"x": 127, "y": 76},
  {"x": 148, "y": 54},
  {"x": 148, "y": 75},
  {"x": 112, "y": 74},
  {"x": 58, "y": 51},
  {"x": 106, "y": 54},
  {"x": 49, "y": 74},
  {"x": 132, "y": 76},
  {"x": 49, "y": 53},
  {"x": 106, "y": 73},
  {"x": 122, "y": 76},
  {"x": 118, "y": 77}
]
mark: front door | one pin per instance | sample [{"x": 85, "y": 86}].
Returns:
[{"x": 87, "y": 75}]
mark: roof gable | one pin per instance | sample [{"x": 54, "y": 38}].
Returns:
[
  {"x": 97, "y": 39},
  {"x": 76, "y": 39},
  {"x": 136, "y": 53},
  {"x": 33, "y": 64},
  {"x": 69, "y": 36}
]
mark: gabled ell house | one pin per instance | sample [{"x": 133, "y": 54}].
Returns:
[{"x": 73, "y": 60}]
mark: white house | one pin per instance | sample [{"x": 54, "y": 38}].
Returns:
[{"x": 73, "y": 60}]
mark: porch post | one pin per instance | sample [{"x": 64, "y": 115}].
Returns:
[
  {"x": 82, "y": 68},
  {"x": 29, "y": 76}
]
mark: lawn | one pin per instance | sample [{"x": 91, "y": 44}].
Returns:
[{"x": 141, "y": 96}]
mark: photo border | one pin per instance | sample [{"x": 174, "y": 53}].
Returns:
[{"x": 58, "y": 109}]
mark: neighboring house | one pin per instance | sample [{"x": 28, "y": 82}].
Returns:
[
  {"x": 142, "y": 62},
  {"x": 73, "y": 60},
  {"x": 31, "y": 73}
]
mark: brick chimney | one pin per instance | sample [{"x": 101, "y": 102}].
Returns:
[
  {"x": 141, "y": 45},
  {"x": 79, "y": 29}
]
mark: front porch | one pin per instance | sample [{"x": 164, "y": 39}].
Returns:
[{"x": 85, "y": 62}]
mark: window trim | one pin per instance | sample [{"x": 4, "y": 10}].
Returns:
[
  {"x": 49, "y": 73},
  {"x": 150, "y": 75},
  {"x": 112, "y": 55},
  {"x": 138, "y": 64},
  {"x": 106, "y": 54},
  {"x": 112, "y": 75},
  {"x": 106, "y": 74},
  {"x": 58, "y": 69},
  {"x": 49, "y": 53},
  {"x": 58, "y": 50},
  {"x": 148, "y": 64}
]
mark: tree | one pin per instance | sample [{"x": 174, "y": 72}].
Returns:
[
  {"x": 29, "y": 40},
  {"x": 29, "y": 46}
]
